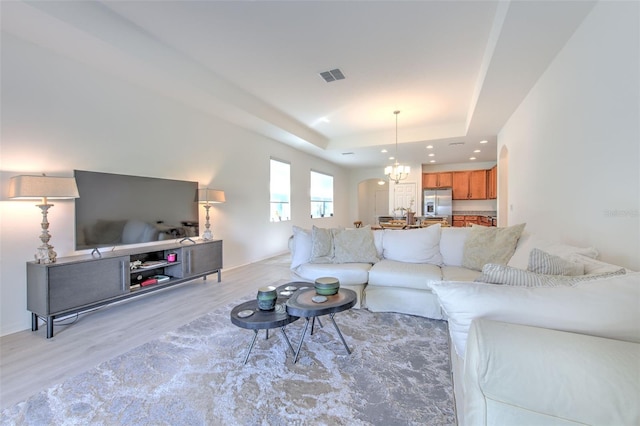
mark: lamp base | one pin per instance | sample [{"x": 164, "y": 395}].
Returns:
[
  {"x": 45, "y": 254},
  {"x": 207, "y": 235}
]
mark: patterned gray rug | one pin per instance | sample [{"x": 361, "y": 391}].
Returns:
[{"x": 397, "y": 374}]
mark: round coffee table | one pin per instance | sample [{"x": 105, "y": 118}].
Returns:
[
  {"x": 247, "y": 315},
  {"x": 300, "y": 304}
]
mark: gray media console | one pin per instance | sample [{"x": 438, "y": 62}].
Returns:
[{"x": 80, "y": 283}]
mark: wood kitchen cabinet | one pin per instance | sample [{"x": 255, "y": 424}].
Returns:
[
  {"x": 470, "y": 185},
  {"x": 492, "y": 183},
  {"x": 437, "y": 180}
]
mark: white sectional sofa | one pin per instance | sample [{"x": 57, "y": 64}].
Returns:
[{"x": 553, "y": 289}]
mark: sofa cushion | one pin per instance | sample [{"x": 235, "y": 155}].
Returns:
[
  {"x": 591, "y": 265},
  {"x": 354, "y": 245},
  {"x": 542, "y": 262},
  {"x": 346, "y": 273},
  {"x": 391, "y": 273},
  {"x": 300, "y": 246},
  {"x": 606, "y": 307},
  {"x": 523, "y": 375},
  {"x": 458, "y": 273},
  {"x": 452, "y": 241},
  {"x": 528, "y": 242},
  {"x": 413, "y": 245},
  {"x": 488, "y": 244}
]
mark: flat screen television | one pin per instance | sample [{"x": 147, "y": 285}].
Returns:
[{"x": 116, "y": 210}]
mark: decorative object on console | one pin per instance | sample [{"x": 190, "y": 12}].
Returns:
[
  {"x": 207, "y": 197},
  {"x": 44, "y": 187},
  {"x": 397, "y": 172}
]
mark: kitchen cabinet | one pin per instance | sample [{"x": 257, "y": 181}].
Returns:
[
  {"x": 492, "y": 183},
  {"x": 468, "y": 220},
  {"x": 470, "y": 185},
  {"x": 437, "y": 180}
]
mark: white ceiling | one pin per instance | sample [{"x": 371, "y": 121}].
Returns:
[{"x": 456, "y": 70}]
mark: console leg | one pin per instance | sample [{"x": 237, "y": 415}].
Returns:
[
  {"x": 34, "y": 322},
  {"x": 49, "y": 327}
]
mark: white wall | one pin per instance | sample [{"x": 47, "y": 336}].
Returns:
[
  {"x": 574, "y": 142},
  {"x": 59, "y": 115}
]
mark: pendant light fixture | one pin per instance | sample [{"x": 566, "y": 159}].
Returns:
[{"x": 397, "y": 172}]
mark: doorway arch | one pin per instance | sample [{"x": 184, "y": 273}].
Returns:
[{"x": 503, "y": 187}]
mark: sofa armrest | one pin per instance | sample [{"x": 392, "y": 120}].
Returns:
[{"x": 517, "y": 374}]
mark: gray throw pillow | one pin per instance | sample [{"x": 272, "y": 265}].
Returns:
[{"x": 354, "y": 246}]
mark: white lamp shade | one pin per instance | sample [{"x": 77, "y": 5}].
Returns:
[
  {"x": 32, "y": 187},
  {"x": 210, "y": 196}
]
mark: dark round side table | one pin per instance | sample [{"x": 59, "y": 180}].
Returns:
[
  {"x": 248, "y": 316},
  {"x": 301, "y": 304}
]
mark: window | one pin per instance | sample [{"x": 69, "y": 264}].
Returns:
[
  {"x": 321, "y": 195},
  {"x": 280, "y": 188}
]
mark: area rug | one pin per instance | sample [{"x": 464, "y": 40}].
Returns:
[{"x": 397, "y": 374}]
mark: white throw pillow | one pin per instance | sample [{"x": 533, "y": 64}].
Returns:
[
  {"x": 528, "y": 242},
  {"x": 321, "y": 245},
  {"x": 413, "y": 245},
  {"x": 607, "y": 307},
  {"x": 354, "y": 246},
  {"x": 502, "y": 274},
  {"x": 377, "y": 240},
  {"x": 452, "y": 244},
  {"x": 488, "y": 244},
  {"x": 593, "y": 266},
  {"x": 542, "y": 262},
  {"x": 300, "y": 247}
]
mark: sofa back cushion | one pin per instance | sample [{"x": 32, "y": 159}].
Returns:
[
  {"x": 300, "y": 246},
  {"x": 413, "y": 245},
  {"x": 607, "y": 307},
  {"x": 452, "y": 245}
]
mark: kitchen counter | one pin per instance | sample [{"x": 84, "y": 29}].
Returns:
[{"x": 475, "y": 213}]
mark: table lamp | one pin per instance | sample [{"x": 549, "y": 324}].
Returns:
[
  {"x": 207, "y": 197},
  {"x": 43, "y": 187}
]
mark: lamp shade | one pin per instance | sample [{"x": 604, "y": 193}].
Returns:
[
  {"x": 31, "y": 187},
  {"x": 210, "y": 196}
]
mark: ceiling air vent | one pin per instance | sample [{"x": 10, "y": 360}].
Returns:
[
  {"x": 456, "y": 143},
  {"x": 332, "y": 75}
]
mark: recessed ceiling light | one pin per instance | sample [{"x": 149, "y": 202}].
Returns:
[
  {"x": 429, "y": 146},
  {"x": 472, "y": 158},
  {"x": 477, "y": 150},
  {"x": 381, "y": 182},
  {"x": 383, "y": 150},
  {"x": 431, "y": 155},
  {"x": 432, "y": 161},
  {"x": 392, "y": 158},
  {"x": 484, "y": 141}
]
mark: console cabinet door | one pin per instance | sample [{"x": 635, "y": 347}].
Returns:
[
  {"x": 202, "y": 258},
  {"x": 76, "y": 284}
]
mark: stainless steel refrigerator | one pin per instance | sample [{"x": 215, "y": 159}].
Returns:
[{"x": 437, "y": 203}]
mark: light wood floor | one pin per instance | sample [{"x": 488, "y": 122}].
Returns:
[{"x": 29, "y": 362}]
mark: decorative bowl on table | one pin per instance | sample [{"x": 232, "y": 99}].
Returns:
[
  {"x": 327, "y": 286},
  {"x": 267, "y": 297}
]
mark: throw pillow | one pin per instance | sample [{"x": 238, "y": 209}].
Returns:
[
  {"x": 300, "y": 247},
  {"x": 544, "y": 263},
  {"x": 503, "y": 274},
  {"x": 354, "y": 246},
  {"x": 528, "y": 242},
  {"x": 607, "y": 307},
  {"x": 413, "y": 245},
  {"x": 321, "y": 245},
  {"x": 487, "y": 244}
]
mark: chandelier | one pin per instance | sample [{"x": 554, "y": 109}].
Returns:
[{"x": 397, "y": 172}]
